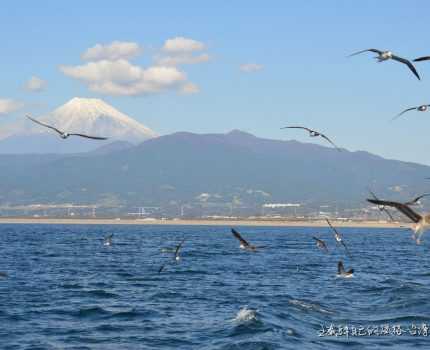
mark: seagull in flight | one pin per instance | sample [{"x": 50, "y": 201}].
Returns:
[
  {"x": 341, "y": 270},
  {"x": 243, "y": 243},
  {"x": 386, "y": 55},
  {"x": 321, "y": 244},
  {"x": 422, "y": 222},
  {"x": 108, "y": 240},
  {"x": 65, "y": 135},
  {"x": 422, "y": 108},
  {"x": 313, "y": 133},
  {"x": 382, "y": 207},
  {"x": 176, "y": 255},
  {"x": 178, "y": 248},
  {"x": 338, "y": 237}
]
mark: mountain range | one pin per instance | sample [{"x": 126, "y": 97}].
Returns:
[{"x": 183, "y": 167}]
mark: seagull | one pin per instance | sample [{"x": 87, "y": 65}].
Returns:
[
  {"x": 65, "y": 135},
  {"x": 108, "y": 240},
  {"x": 176, "y": 256},
  {"x": 386, "y": 55},
  {"x": 313, "y": 133},
  {"x": 243, "y": 243},
  {"x": 321, "y": 244},
  {"x": 415, "y": 201},
  {"x": 338, "y": 237},
  {"x": 422, "y": 222},
  {"x": 381, "y": 207},
  {"x": 424, "y": 58},
  {"x": 422, "y": 108},
  {"x": 341, "y": 270},
  {"x": 178, "y": 247}
]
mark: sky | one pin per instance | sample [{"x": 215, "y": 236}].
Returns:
[{"x": 210, "y": 67}]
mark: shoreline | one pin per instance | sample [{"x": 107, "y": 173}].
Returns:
[{"x": 202, "y": 222}]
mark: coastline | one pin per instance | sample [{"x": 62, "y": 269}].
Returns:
[{"x": 202, "y": 222}]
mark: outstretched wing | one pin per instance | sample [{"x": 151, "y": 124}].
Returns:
[
  {"x": 382, "y": 207},
  {"x": 346, "y": 248},
  {"x": 178, "y": 247},
  {"x": 321, "y": 242},
  {"x": 239, "y": 237},
  {"x": 367, "y": 50},
  {"x": 297, "y": 127},
  {"x": 408, "y": 63},
  {"x": 331, "y": 142},
  {"x": 403, "y": 112},
  {"x": 415, "y": 200},
  {"x": 424, "y": 58},
  {"x": 43, "y": 124},
  {"x": 403, "y": 208},
  {"x": 333, "y": 228},
  {"x": 90, "y": 137}
]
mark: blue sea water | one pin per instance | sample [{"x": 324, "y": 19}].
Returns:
[{"x": 66, "y": 290}]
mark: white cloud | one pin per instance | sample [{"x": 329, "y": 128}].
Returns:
[
  {"x": 181, "y": 45},
  {"x": 176, "y": 60},
  {"x": 113, "y": 51},
  {"x": 189, "y": 88},
  {"x": 8, "y": 106},
  {"x": 122, "y": 78},
  {"x": 250, "y": 67},
  {"x": 35, "y": 84},
  {"x": 110, "y": 72}
]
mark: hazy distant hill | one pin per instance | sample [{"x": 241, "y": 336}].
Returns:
[
  {"x": 235, "y": 167},
  {"x": 82, "y": 115}
]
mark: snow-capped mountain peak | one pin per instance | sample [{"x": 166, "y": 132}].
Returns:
[{"x": 96, "y": 117}]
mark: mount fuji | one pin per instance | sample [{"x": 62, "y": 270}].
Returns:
[{"x": 89, "y": 116}]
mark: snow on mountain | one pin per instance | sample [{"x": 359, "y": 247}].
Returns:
[
  {"x": 95, "y": 117},
  {"x": 79, "y": 115}
]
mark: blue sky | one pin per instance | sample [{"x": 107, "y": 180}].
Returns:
[{"x": 305, "y": 79}]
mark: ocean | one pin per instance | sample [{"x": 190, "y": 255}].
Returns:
[{"x": 66, "y": 290}]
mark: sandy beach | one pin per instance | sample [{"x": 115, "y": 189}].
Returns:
[{"x": 202, "y": 222}]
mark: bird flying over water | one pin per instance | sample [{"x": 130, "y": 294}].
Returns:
[
  {"x": 178, "y": 248},
  {"x": 176, "y": 255},
  {"x": 321, "y": 244},
  {"x": 313, "y": 133},
  {"x": 108, "y": 240},
  {"x": 422, "y": 222},
  {"x": 338, "y": 237},
  {"x": 65, "y": 135},
  {"x": 382, "y": 207},
  {"x": 422, "y": 108},
  {"x": 386, "y": 55},
  {"x": 243, "y": 243},
  {"x": 341, "y": 270}
]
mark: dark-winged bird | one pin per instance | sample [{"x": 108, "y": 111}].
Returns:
[
  {"x": 65, "y": 135},
  {"x": 341, "y": 270},
  {"x": 243, "y": 243},
  {"x": 422, "y": 222},
  {"x": 313, "y": 133},
  {"x": 321, "y": 244},
  {"x": 387, "y": 55},
  {"x": 338, "y": 237},
  {"x": 422, "y": 108}
]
